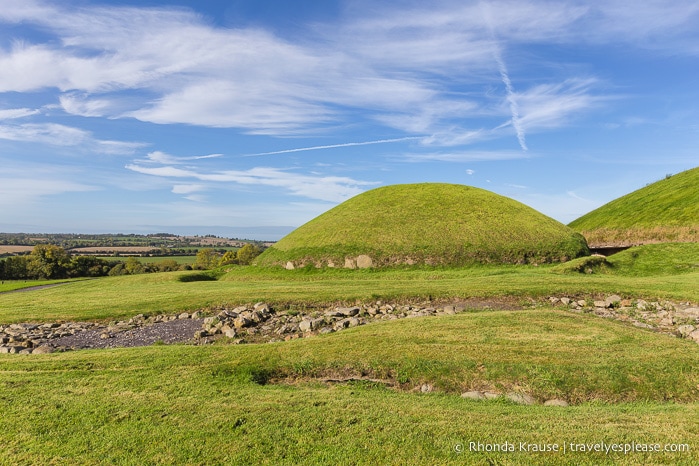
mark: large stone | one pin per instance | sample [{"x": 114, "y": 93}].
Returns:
[
  {"x": 364, "y": 261},
  {"x": 690, "y": 312},
  {"x": 350, "y": 263},
  {"x": 694, "y": 336},
  {"x": 685, "y": 330},
  {"x": 348, "y": 311},
  {"x": 612, "y": 301},
  {"x": 45, "y": 349},
  {"x": 289, "y": 266}
]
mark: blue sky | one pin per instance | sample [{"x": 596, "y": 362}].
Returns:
[{"x": 238, "y": 117}]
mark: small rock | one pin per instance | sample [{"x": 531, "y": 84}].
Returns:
[
  {"x": 305, "y": 326},
  {"x": 184, "y": 315},
  {"x": 521, "y": 398},
  {"x": 491, "y": 395},
  {"x": 44, "y": 349},
  {"x": 694, "y": 336},
  {"x": 556, "y": 402},
  {"x": 426, "y": 388},
  {"x": 600, "y": 304},
  {"x": 231, "y": 333},
  {"x": 473, "y": 395},
  {"x": 565, "y": 301},
  {"x": 201, "y": 334},
  {"x": 685, "y": 330},
  {"x": 105, "y": 336}
]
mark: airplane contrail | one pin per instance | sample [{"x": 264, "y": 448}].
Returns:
[
  {"x": 333, "y": 146},
  {"x": 514, "y": 108}
]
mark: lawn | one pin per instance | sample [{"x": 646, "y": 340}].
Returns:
[{"x": 269, "y": 404}]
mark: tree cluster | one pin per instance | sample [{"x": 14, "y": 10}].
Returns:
[
  {"x": 208, "y": 258},
  {"x": 48, "y": 261}
]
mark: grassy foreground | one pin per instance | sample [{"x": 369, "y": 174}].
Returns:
[{"x": 265, "y": 404}]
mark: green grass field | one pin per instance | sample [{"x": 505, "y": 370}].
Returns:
[
  {"x": 267, "y": 404},
  {"x": 272, "y": 403},
  {"x": 119, "y": 297}
]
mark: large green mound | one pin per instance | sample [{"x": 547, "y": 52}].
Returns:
[
  {"x": 428, "y": 223},
  {"x": 665, "y": 211}
]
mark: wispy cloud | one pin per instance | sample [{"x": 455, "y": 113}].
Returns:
[
  {"x": 14, "y": 113},
  {"x": 326, "y": 188},
  {"x": 464, "y": 156},
  {"x": 61, "y": 135},
  {"x": 163, "y": 158},
  {"x": 335, "y": 146},
  {"x": 393, "y": 67}
]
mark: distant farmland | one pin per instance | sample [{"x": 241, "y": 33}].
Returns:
[
  {"x": 123, "y": 250},
  {"x": 15, "y": 249}
]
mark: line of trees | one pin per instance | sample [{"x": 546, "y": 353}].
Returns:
[{"x": 48, "y": 261}]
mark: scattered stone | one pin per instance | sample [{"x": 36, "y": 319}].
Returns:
[
  {"x": 521, "y": 398},
  {"x": 473, "y": 395},
  {"x": 612, "y": 301},
  {"x": 364, "y": 262},
  {"x": 556, "y": 402},
  {"x": 426, "y": 388},
  {"x": 685, "y": 330},
  {"x": 565, "y": 301}
]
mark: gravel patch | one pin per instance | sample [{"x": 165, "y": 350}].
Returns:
[{"x": 174, "y": 331}]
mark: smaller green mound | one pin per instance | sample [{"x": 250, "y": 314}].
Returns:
[
  {"x": 427, "y": 223},
  {"x": 639, "y": 261},
  {"x": 665, "y": 211},
  {"x": 657, "y": 259},
  {"x": 590, "y": 264}
]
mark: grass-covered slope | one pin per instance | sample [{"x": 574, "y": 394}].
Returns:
[
  {"x": 429, "y": 223},
  {"x": 665, "y": 211}
]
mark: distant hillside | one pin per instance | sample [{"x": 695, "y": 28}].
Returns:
[
  {"x": 429, "y": 223},
  {"x": 665, "y": 211}
]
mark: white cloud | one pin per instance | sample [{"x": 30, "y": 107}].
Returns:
[
  {"x": 14, "y": 113},
  {"x": 552, "y": 105},
  {"x": 326, "y": 188},
  {"x": 187, "y": 188},
  {"x": 465, "y": 156},
  {"x": 396, "y": 64},
  {"x": 61, "y": 135},
  {"x": 163, "y": 158}
]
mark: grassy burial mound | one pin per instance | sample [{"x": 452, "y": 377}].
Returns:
[
  {"x": 665, "y": 211},
  {"x": 428, "y": 223}
]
